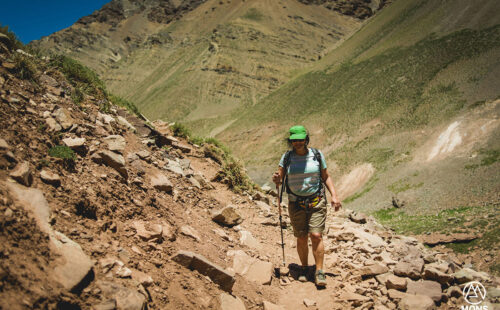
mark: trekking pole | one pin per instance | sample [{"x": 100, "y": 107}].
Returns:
[{"x": 280, "y": 196}]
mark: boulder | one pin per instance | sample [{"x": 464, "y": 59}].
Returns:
[
  {"x": 395, "y": 282},
  {"x": 77, "y": 144},
  {"x": 105, "y": 118},
  {"x": 428, "y": 288},
  {"x": 113, "y": 160},
  {"x": 123, "y": 121},
  {"x": 126, "y": 299},
  {"x": 115, "y": 143},
  {"x": 71, "y": 267},
  {"x": 198, "y": 262},
  {"x": 174, "y": 167},
  {"x": 416, "y": 302},
  {"x": 161, "y": 182},
  {"x": 64, "y": 118},
  {"x": 466, "y": 275},
  {"x": 22, "y": 174},
  {"x": 252, "y": 269},
  {"x": 409, "y": 270},
  {"x": 431, "y": 273},
  {"x": 147, "y": 231},
  {"x": 229, "y": 302},
  {"x": 227, "y": 216},
  {"x": 50, "y": 178},
  {"x": 373, "y": 270},
  {"x": 53, "y": 124}
]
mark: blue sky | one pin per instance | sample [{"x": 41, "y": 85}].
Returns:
[{"x": 33, "y": 19}]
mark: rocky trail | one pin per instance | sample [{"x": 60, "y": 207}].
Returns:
[{"x": 138, "y": 220}]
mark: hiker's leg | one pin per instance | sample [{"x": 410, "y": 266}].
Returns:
[
  {"x": 316, "y": 229},
  {"x": 299, "y": 223},
  {"x": 318, "y": 249},
  {"x": 302, "y": 249}
]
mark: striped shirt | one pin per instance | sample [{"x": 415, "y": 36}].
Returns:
[{"x": 303, "y": 173}]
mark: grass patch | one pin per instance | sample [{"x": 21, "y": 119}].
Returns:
[
  {"x": 403, "y": 185},
  {"x": 63, "y": 152},
  {"x": 130, "y": 106},
  {"x": 480, "y": 219},
  {"x": 489, "y": 157},
  {"x": 232, "y": 173},
  {"x": 25, "y": 67},
  {"x": 13, "y": 43},
  {"x": 253, "y": 14}
]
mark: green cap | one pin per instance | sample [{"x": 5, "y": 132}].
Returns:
[{"x": 298, "y": 133}]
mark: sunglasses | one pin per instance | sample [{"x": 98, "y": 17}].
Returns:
[{"x": 298, "y": 140}]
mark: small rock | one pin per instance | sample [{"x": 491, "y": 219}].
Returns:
[
  {"x": 227, "y": 216},
  {"x": 228, "y": 302},
  {"x": 309, "y": 302},
  {"x": 270, "y": 306},
  {"x": 161, "y": 182},
  {"x": 53, "y": 124},
  {"x": 143, "y": 278},
  {"x": 75, "y": 143},
  {"x": 63, "y": 117},
  {"x": 50, "y": 178},
  {"x": 248, "y": 240},
  {"x": 4, "y": 146},
  {"x": 22, "y": 174},
  {"x": 190, "y": 232},
  {"x": 115, "y": 143},
  {"x": 357, "y": 217}
]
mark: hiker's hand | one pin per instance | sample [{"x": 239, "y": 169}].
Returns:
[
  {"x": 276, "y": 178},
  {"x": 336, "y": 205}
]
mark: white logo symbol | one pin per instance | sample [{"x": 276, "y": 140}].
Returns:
[{"x": 474, "y": 293}]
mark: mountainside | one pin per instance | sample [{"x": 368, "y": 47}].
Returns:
[
  {"x": 101, "y": 210},
  {"x": 406, "y": 108},
  {"x": 204, "y": 59}
]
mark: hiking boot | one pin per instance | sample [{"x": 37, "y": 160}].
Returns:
[
  {"x": 302, "y": 274},
  {"x": 320, "y": 278}
]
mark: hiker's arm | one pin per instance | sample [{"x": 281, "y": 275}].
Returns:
[
  {"x": 325, "y": 177},
  {"x": 278, "y": 175}
]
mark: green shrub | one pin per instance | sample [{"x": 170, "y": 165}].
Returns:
[
  {"x": 25, "y": 67},
  {"x": 181, "y": 131},
  {"x": 63, "y": 152},
  {"x": 14, "y": 42},
  {"x": 83, "y": 79}
]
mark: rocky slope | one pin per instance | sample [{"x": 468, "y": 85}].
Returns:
[{"x": 132, "y": 218}]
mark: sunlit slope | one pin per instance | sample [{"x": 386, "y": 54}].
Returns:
[{"x": 379, "y": 97}]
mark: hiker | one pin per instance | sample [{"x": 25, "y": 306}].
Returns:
[{"x": 303, "y": 169}]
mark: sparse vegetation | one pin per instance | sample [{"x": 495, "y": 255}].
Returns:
[
  {"x": 63, "y": 152},
  {"x": 253, "y": 14},
  {"x": 130, "y": 106},
  {"x": 13, "y": 42},
  {"x": 181, "y": 130},
  {"x": 403, "y": 185},
  {"x": 489, "y": 157}
]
